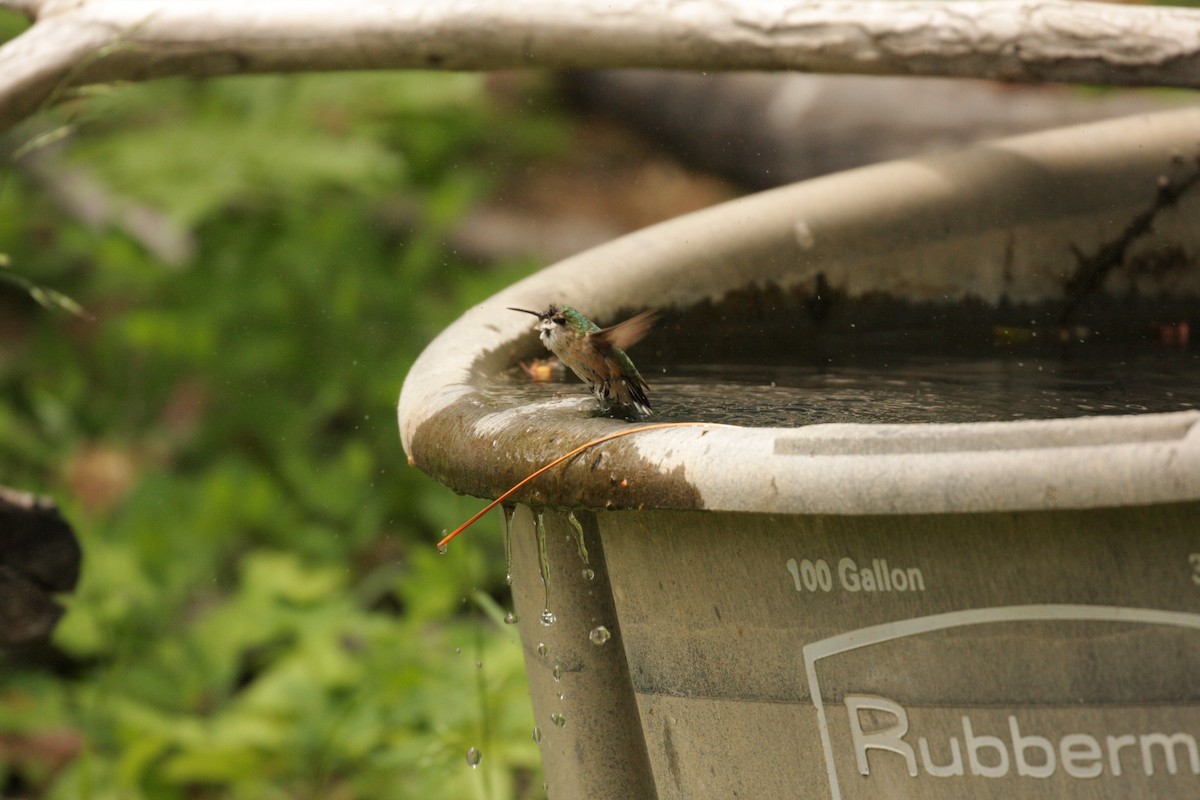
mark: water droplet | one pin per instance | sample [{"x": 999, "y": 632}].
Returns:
[
  {"x": 561, "y": 696},
  {"x": 539, "y": 525},
  {"x": 508, "y": 520},
  {"x": 600, "y": 635},
  {"x": 558, "y": 719},
  {"x": 511, "y": 618},
  {"x": 804, "y": 235},
  {"x": 588, "y": 574},
  {"x": 478, "y": 665},
  {"x": 473, "y": 757},
  {"x": 557, "y": 673},
  {"x": 458, "y": 651},
  {"x": 537, "y": 734},
  {"x": 443, "y": 548},
  {"x": 542, "y": 649}
]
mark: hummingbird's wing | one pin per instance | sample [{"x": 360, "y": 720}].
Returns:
[{"x": 626, "y": 334}]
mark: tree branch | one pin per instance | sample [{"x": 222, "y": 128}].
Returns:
[{"x": 87, "y": 41}]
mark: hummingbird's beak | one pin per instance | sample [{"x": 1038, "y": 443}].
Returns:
[{"x": 537, "y": 314}]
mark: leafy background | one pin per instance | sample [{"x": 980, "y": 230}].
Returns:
[{"x": 262, "y": 613}]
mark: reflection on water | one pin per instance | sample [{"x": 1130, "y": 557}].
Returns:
[{"x": 920, "y": 389}]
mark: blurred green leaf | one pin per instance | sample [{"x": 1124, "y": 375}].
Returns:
[{"x": 262, "y": 613}]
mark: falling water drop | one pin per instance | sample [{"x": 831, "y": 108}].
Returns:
[
  {"x": 473, "y": 757},
  {"x": 557, "y": 673},
  {"x": 508, "y": 558},
  {"x": 558, "y": 719},
  {"x": 511, "y": 618},
  {"x": 600, "y": 635},
  {"x": 548, "y": 617},
  {"x": 588, "y": 574},
  {"x": 542, "y": 649},
  {"x": 443, "y": 548},
  {"x": 537, "y": 734}
]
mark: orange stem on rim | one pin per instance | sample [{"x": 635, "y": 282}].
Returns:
[{"x": 446, "y": 540}]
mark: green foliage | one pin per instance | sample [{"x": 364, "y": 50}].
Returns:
[
  {"x": 11, "y": 24},
  {"x": 262, "y": 613}
]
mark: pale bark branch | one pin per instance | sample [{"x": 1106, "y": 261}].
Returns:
[{"x": 87, "y": 41}]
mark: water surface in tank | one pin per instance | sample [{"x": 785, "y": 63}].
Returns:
[{"x": 992, "y": 386}]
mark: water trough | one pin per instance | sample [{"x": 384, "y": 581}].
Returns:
[{"x": 984, "y": 606}]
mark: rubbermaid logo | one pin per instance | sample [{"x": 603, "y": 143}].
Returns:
[{"x": 990, "y": 756}]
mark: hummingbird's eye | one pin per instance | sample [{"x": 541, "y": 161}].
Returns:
[{"x": 559, "y": 320}]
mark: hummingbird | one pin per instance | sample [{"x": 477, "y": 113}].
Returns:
[{"x": 597, "y": 355}]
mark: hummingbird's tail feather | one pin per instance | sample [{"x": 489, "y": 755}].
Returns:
[
  {"x": 627, "y": 395},
  {"x": 639, "y": 398}
]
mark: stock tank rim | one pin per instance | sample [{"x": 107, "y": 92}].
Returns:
[{"x": 1011, "y": 208}]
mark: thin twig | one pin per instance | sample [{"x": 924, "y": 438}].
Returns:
[{"x": 657, "y": 426}]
